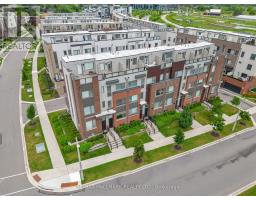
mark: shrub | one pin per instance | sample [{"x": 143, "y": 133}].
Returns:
[
  {"x": 64, "y": 140},
  {"x": 138, "y": 151},
  {"x": 85, "y": 146},
  {"x": 68, "y": 148},
  {"x": 215, "y": 101},
  {"x": 185, "y": 119},
  {"x": 218, "y": 123},
  {"x": 31, "y": 112},
  {"x": 236, "y": 101},
  {"x": 179, "y": 138},
  {"x": 244, "y": 115}
]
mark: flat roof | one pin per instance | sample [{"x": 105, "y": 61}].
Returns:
[
  {"x": 218, "y": 31},
  {"x": 126, "y": 53},
  {"x": 94, "y": 32}
]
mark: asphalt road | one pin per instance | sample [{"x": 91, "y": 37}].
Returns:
[{"x": 11, "y": 154}]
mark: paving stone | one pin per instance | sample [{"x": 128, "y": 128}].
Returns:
[{"x": 40, "y": 148}]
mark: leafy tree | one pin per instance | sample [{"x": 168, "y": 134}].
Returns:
[
  {"x": 218, "y": 123},
  {"x": 85, "y": 146},
  {"x": 138, "y": 151},
  {"x": 236, "y": 101},
  {"x": 238, "y": 10},
  {"x": 179, "y": 138},
  {"x": 244, "y": 115},
  {"x": 24, "y": 75},
  {"x": 185, "y": 119},
  {"x": 31, "y": 112}
]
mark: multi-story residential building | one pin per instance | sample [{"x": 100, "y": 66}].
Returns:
[
  {"x": 109, "y": 89},
  {"x": 57, "y": 45},
  {"x": 229, "y": 48}
]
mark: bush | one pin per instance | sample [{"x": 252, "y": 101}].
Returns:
[
  {"x": 64, "y": 140},
  {"x": 85, "y": 146},
  {"x": 236, "y": 101},
  {"x": 244, "y": 115},
  {"x": 126, "y": 127},
  {"x": 215, "y": 101},
  {"x": 68, "y": 148},
  {"x": 179, "y": 138},
  {"x": 218, "y": 123},
  {"x": 185, "y": 119},
  {"x": 138, "y": 151},
  {"x": 31, "y": 112}
]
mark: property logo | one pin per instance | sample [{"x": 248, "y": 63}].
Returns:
[{"x": 18, "y": 27}]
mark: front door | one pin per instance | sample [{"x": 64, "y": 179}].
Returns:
[
  {"x": 110, "y": 122},
  {"x": 104, "y": 126}
]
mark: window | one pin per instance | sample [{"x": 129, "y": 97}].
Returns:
[
  {"x": 249, "y": 67},
  {"x": 120, "y": 86},
  {"x": 134, "y": 61},
  {"x": 82, "y": 81},
  {"x": 244, "y": 75},
  {"x": 214, "y": 89},
  {"x": 132, "y": 83},
  {"x": 161, "y": 77},
  {"x": 103, "y": 104},
  {"x": 168, "y": 101},
  {"x": 198, "y": 92},
  {"x": 109, "y": 104},
  {"x": 65, "y": 53},
  {"x": 87, "y": 51},
  {"x": 90, "y": 125},
  {"x": 159, "y": 92},
  {"x": 253, "y": 57},
  {"x": 170, "y": 89},
  {"x": 178, "y": 74},
  {"x": 120, "y": 115},
  {"x": 151, "y": 80},
  {"x": 133, "y": 98},
  {"x": 76, "y": 52},
  {"x": 133, "y": 110},
  {"x": 87, "y": 94},
  {"x": 121, "y": 102},
  {"x": 109, "y": 90},
  {"x": 87, "y": 66},
  {"x": 229, "y": 50},
  {"x": 157, "y": 104},
  {"x": 88, "y": 110},
  {"x": 141, "y": 95}
]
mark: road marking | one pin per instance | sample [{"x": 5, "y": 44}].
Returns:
[
  {"x": 18, "y": 191},
  {"x": 11, "y": 176}
]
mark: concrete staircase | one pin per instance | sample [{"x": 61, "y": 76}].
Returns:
[
  {"x": 152, "y": 130},
  {"x": 114, "y": 141}
]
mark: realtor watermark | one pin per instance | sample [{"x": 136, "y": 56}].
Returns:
[{"x": 20, "y": 24}]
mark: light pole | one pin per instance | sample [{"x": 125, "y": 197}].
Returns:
[
  {"x": 234, "y": 126},
  {"x": 79, "y": 160}
]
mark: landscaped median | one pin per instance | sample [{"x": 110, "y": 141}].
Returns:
[
  {"x": 27, "y": 93},
  {"x": 250, "y": 192},
  {"x": 66, "y": 133},
  {"x": 34, "y": 136},
  {"x": 127, "y": 164}
]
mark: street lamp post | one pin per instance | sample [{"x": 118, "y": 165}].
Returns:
[{"x": 79, "y": 159}]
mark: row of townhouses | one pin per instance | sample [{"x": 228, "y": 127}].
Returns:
[
  {"x": 109, "y": 89},
  {"x": 237, "y": 50}
]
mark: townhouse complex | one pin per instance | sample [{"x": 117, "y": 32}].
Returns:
[
  {"x": 109, "y": 89},
  {"x": 119, "y": 69},
  {"x": 237, "y": 52}
]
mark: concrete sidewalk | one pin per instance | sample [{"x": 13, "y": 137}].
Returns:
[{"x": 51, "y": 142}]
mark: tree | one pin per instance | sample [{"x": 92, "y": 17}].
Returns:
[
  {"x": 185, "y": 119},
  {"x": 179, "y": 138},
  {"x": 218, "y": 123},
  {"x": 244, "y": 115},
  {"x": 31, "y": 112},
  {"x": 236, "y": 101},
  {"x": 85, "y": 146},
  {"x": 138, "y": 151},
  {"x": 238, "y": 10}
]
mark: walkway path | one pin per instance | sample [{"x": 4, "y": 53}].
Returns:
[
  {"x": 163, "y": 17},
  {"x": 52, "y": 145}
]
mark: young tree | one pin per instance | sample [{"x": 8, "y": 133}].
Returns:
[
  {"x": 185, "y": 119},
  {"x": 138, "y": 151},
  {"x": 235, "y": 101},
  {"x": 244, "y": 115},
  {"x": 85, "y": 147},
  {"x": 218, "y": 123},
  {"x": 179, "y": 138},
  {"x": 31, "y": 112}
]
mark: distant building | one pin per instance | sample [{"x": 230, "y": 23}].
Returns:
[{"x": 213, "y": 12}]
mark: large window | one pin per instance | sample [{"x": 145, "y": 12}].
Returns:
[
  {"x": 151, "y": 80},
  {"x": 170, "y": 89},
  {"x": 87, "y": 94},
  {"x": 88, "y": 110},
  {"x": 120, "y": 86},
  {"x": 198, "y": 93},
  {"x": 132, "y": 84},
  {"x": 120, "y": 102},
  {"x": 133, "y": 110},
  {"x": 168, "y": 101},
  {"x": 90, "y": 125},
  {"x": 87, "y": 66},
  {"x": 157, "y": 104},
  {"x": 159, "y": 92},
  {"x": 133, "y": 98}
]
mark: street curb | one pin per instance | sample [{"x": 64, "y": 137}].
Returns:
[
  {"x": 241, "y": 190},
  {"x": 122, "y": 174}
]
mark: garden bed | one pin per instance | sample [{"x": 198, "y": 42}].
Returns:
[
  {"x": 27, "y": 93},
  {"x": 37, "y": 161},
  {"x": 66, "y": 132}
]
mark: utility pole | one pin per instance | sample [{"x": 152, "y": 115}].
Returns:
[{"x": 79, "y": 160}]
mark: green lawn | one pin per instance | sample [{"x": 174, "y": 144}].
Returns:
[
  {"x": 130, "y": 141},
  {"x": 168, "y": 123},
  {"x": 203, "y": 117},
  {"x": 131, "y": 133},
  {"x": 65, "y": 131},
  {"x": 41, "y": 161},
  {"x": 126, "y": 164},
  {"x": 27, "y": 93},
  {"x": 41, "y": 63},
  {"x": 249, "y": 192},
  {"x": 224, "y": 22},
  {"x": 197, "y": 107},
  {"x": 46, "y": 86},
  {"x": 228, "y": 109}
]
